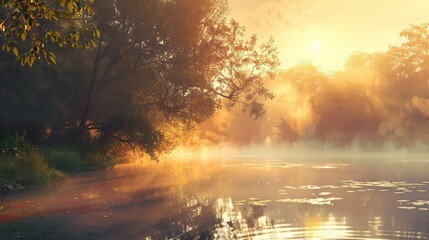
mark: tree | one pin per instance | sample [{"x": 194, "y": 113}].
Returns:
[
  {"x": 29, "y": 26},
  {"x": 36, "y": 100},
  {"x": 408, "y": 63},
  {"x": 160, "y": 64},
  {"x": 346, "y": 113},
  {"x": 411, "y": 58},
  {"x": 306, "y": 77},
  {"x": 285, "y": 132}
]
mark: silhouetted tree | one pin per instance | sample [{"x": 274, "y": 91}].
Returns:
[
  {"x": 169, "y": 62},
  {"x": 286, "y": 133}
]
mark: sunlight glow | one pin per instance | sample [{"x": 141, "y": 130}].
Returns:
[
  {"x": 314, "y": 48},
  {"x": 293, "y": 23}
]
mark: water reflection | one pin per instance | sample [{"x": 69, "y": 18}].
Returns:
[{"x": 240, "y": 199}]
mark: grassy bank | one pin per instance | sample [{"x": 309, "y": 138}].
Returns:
[{"x": 23, "y": 164}]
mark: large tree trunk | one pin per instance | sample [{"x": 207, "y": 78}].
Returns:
[
  {"x": 89, "y": 98},
  {"x": 95, "y": 88}
]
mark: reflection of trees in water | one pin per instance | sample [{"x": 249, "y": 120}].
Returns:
[
  {"x": 194, "y": 218},
  {"x": 201, "y": 218}
]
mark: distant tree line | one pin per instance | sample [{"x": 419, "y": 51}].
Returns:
[{"x": 377, "y": 99}]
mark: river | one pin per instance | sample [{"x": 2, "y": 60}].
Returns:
[{"x": 231, "y": 197}]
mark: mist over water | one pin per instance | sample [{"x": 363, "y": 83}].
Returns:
[
  {"x": 243, "y": 193},
  {"x": 301, "y": 151}
]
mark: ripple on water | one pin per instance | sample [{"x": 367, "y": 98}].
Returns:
[{"x": 326, "y": 231}]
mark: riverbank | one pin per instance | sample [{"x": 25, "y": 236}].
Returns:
[{"x": 25, "y": 165}]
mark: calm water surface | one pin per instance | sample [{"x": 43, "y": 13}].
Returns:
[{"x": 239, "y": 197}]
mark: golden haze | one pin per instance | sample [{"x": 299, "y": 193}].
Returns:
[{"x": 337, "y": 28}]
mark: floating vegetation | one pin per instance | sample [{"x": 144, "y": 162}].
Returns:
[
  {"x": 352, "y": 186},
  {"x": 325, "y": 193},
  {"x": 384, "y": 184},
  {"x": 396, "y": 187},
  {"x": 330, "y": 186},
  {"x": 291, "y": 165},
  {"x": 253, "y": 199},
  {"x": 400, "y": 187},
  {"x": 260, "y": 202},
  {"x": 325, "y": 167},
  {"x": 407, "y": 208},
  {"x": 305, "y": 187},
  {"x": 420, "y": 203},
  {"x": 313, "y": 201},
  {"x": 239, "y": 202},
  {"x": 329, "y": 166},
  {"x": 282, "y": 192}
]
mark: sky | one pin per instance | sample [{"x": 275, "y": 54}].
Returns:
[{"x": 328, "y": 31}]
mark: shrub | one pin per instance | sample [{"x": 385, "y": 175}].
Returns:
[
  {"x": 15, "y": 144},
  {"x": 29, "y": 168},
  {"x": 21, "y": 163},
  {"x": 97, "y": 159},
  {"x": 121, "y": 160},
  {"x": 63, "y": 159}
]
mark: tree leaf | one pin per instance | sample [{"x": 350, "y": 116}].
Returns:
[
  {"x": 15, "y": 51},
  {"x": 31, "y": 61},
  {"x": 52, "y": 59}
]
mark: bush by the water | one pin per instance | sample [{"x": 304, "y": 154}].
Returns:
[
  {"x": 97, "y": 159},
  {"x": 22, "y": 163},
  {"x": 30, "y": 168},
  {"x": 15, "y": 144},
  {"x": 63, "y": 159}
]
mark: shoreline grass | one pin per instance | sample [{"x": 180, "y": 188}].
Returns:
[{"x": 24, "y": 165}]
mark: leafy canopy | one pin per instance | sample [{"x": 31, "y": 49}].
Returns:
[{"x": 29, "y": 26}]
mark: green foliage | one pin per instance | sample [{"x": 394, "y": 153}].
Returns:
[
  {"x": 158, "y": 68},
  {"x": 22, "y": 164},
  {"x": 63, "y": 159},
  {"x": 164, "y": 66},
  {"x": 121, "y": 160},
  {"x": 29, "y": 168},
  {"x": 41, "y": 100},
  {"x": 98, "y": 159},
  {"x": 29, "y": 26},
  {"x": 15, "y": 144}
]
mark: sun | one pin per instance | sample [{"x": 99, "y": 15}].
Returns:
[{"x": 314, "y": 48}]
